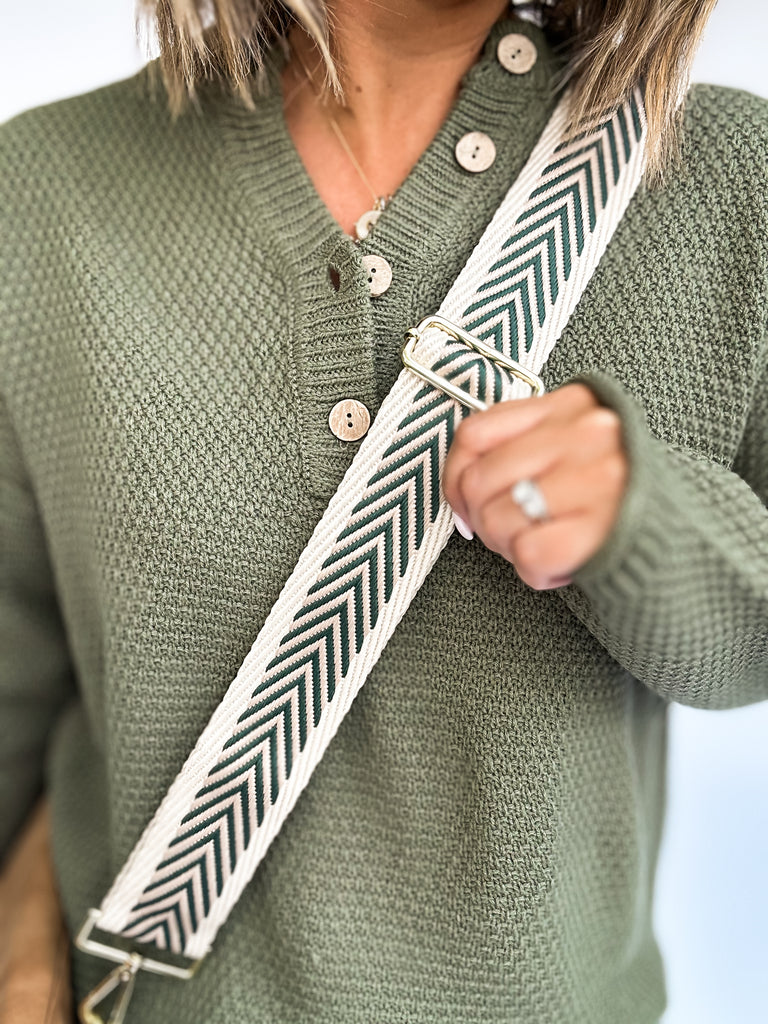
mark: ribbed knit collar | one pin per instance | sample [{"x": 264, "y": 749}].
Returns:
[
  {"x": 491, "y": 99},
  {"x": 345, "y": 344}
]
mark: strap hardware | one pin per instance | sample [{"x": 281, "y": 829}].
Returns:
[
  {"x": 123, "y": 977},
  {"x": 414, "y": 334}
]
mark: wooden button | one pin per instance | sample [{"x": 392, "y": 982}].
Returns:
[
  {"x": 475, "y": 151},
  {"x": 349, "y": 419},
  {"x": 516, "y": 53}
]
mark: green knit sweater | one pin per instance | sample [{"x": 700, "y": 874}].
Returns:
[{"x": 479, "y": 842}]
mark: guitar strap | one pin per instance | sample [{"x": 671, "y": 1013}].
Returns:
[{"x": 376, "y": 542}]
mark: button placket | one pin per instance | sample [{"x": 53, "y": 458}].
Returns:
[
  {"x": 334, "y": 360},
  {"x": 346, "y": 342}
]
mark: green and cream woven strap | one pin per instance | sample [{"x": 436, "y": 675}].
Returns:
[{"x": 379, "y": 537}]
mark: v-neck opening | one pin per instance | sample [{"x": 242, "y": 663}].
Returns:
[
  {"x": 485, "y": 91},
  {"x": 426, "y": 234}
]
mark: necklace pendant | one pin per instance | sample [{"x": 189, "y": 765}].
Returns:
[{"x": 366, "y": 222}]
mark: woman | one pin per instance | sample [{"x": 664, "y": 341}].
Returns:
[{"x": 183, "y": 306}]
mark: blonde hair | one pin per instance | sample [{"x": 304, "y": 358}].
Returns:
[{"x": 610, "y": 45}]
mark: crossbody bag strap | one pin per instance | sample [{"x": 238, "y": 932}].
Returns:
[{"x": 379, "y": 537}]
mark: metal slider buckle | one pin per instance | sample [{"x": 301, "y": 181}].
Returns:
[
  {"x": 414, "y": 334},
  {"x": 123, "y": 977}
]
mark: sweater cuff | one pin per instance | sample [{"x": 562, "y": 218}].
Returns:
[{"x": 648, "y": 515}]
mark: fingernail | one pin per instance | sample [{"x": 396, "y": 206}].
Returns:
[{"x": 462, "y": 527}]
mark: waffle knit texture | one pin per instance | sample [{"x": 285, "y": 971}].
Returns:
[{"x": 479, "y": 842}]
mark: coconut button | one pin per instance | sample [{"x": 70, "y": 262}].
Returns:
[
  {"x": 349, "y": 419},
  {"x": 516, "y": 53},
  {"x": 475, "y": 151},
  {"x": 379, "y": 274}
]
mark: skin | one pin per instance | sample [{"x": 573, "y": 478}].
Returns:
[
  {"x": 572, "y": 447},
  {"x": 569, "y": 444},
  {"x": 389, "y": 117}
]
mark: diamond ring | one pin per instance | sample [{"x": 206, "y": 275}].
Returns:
[{"x": 527, "y": 495}]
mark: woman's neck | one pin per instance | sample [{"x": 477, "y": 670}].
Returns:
[{"x": 400, "y": 65}]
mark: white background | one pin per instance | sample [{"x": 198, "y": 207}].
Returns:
[{"x": 712, "y": 897}]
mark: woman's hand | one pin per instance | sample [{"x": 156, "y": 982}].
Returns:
[{"x": 572, "y": 448}]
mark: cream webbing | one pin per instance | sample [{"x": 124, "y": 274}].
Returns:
[{"x": 382, "y": 532}]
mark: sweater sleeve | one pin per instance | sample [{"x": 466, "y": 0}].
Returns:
[
  {"x": 678, "y": 594},
  {"x": 35, "y": 673}
]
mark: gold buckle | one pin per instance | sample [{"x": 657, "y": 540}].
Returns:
[
  {"x": 123, "y": 978},
  {"x": 414, "y": 334}
]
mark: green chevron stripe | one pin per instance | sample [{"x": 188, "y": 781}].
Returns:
[
  {"x": 382, "y": 525},
  {"x": 173, "y": 911},
  {"x": 615, "y": 165},
  {"x": 520, "y": 286},
  {"x": 223, "y": 790},
  {"x": 299, "y": 667},
  {"x": 203, "y": 876},
  {"x": 147, "y": 935},
  {"x": 483, "y": 369},
  {"x": 216, "y": 812},
  {"x": 451, "y": 356},
  {"x": 311, "y": 640},
  {"x": 636, "y": 121},
  {"x": 353, "y": 583},
  {"x": 520, "y": 290},
  {"x": 339, "y": 614},
  {"x": 283, "y": 712},
  {"x": 468, "y": 361},
  {"x": 624, "y": 129},
  {"x": 567, "y": 175},
  {"x": 346, "y": 582},
  {"x": 589, "y": 191},
  {"x": 283, "y": 691},
  {"x": 185, "y": 889},
  {"x": 430, "y": 447},
  {"x": 542, "y": 226},
  {"x": 400, "y": 502},
  {"x": 573, "y": 191},
  {"x": 593, "y": 147},
  {"x": 548, "y": 239}
]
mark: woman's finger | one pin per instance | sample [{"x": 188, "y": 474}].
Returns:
[
  {"x": 593, "y": 491},
  {"x": 483, "y": 431},
  {"x": 546, "y": 552},
  {"x": 503, "y": 420},
  {"x": 537, "y": 454}
]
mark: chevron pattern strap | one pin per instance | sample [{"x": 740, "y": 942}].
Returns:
[{"x": 381, "y": 534}]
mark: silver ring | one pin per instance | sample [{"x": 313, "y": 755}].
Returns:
[{"x": 527, "y": 495}]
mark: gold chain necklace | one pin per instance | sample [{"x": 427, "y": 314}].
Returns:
[{"x": 365, "y": 222}]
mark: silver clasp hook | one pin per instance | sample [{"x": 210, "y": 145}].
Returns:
[{"x": 123, "y": 978}]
